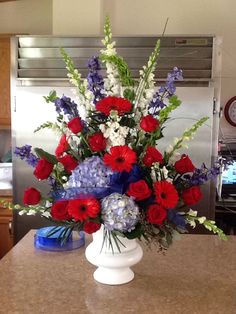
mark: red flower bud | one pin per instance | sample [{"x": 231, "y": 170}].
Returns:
[
  {"x": 43, "y": 169},
  {"x": 31, "y": 196},
  {"x": 156, "y": 214},
  {"x": 152, "y": 155},
  {"x": 149, "y": 124},
  {"x": 75, "y": 125},
  {"x": 139, "y": 190},
  {"x": 192, "y": 195},
  {"x": 184, "y": 165},
  {"x": 62, "y": 147},
  {"x": 97, "y": 142},
  {"x": 91, "y": 227},
  {"x": 68, "y": 162}
]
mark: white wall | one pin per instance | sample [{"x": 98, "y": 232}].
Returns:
[
  {"x": 26, "y": 17},
  {"x": 76, "y": 17},
  {"x": 132, "y": 17}
]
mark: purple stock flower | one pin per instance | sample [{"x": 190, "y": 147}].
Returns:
[
  {"x": 95, "y": 80},
  {"x": 24, "y": 152},
  {"x": 67, "y": 106}
]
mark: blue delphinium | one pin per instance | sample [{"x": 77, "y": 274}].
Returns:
[
  {"x": 24, "y": 152},
  {"x": 66, "y": 106},
  {"x": 94, "y": 78},
  {"x": 119, "y": 212},
  {"x": 203, "y": 174},
  {"x": 166, "y": 90}
]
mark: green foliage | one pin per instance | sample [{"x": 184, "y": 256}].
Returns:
[
  {"x": 51, "y": 97},
  {"x": 174, "y": 103},
  {"x": 122, "y": 68},
  {"x": 129, "y": 94},
  {"x": 187, "y": 135},
  {"x": 46, "y": 125},
  {"x": 42, "y": 154}
]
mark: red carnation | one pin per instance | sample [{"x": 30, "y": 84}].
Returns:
[
  {"x": 184, "y": 165},
  {"x": 68, "y": 162},
  {"x": 106, "y": 105},
  {"x": 43, "y": 169},
  {"x": 75, "y": 125},
  {"x": 152, "y": 155},
  {"x": 192, "y": 195},
  {"x": 62, "y": 147},
  {"x": 139, "y": 190},
  {"x": 166, "y": 194},
  {"x": 149, "y": 124},
  {"x": 121, "y": 158},
  {"x": 84, "y": 208},
  {"x": 31, "y": 196},
  {"x": 59, "y": 210},
  {"x": 156, "y": 214},
  {"x": 91, "y": 227},
  {"x": 97, "y": 142}
]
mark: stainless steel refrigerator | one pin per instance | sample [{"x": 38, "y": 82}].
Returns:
[{"x": 38, "y": 69}]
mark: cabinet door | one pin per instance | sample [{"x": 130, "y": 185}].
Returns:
[
  {"x": 6, "y": 238},
  {"x": 5, "y": 112}
]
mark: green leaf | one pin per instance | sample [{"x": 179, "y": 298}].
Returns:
[
  {"x": 136, "y": 233},
  {"x": 42, "y": 154},
  {"x": 174, "y": 103},
  {"x": 129, "y": 94},
  {"x": 51, "y": 97}
]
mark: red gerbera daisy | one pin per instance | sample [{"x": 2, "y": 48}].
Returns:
[
  {"x": 109, "y": 103},
  {"x": 83, "y": 208},
  {"x": 166, "y": 194},
  {"x": 121, "y": 158}
]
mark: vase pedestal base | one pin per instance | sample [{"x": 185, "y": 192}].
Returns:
[
  {"x": 113, "y": 264},
  {"x": 113, "y": 276}
]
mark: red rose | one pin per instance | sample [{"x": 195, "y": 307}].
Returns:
[
  {"x": 149, "y": 124},
  {"x": 184, "y": 165},
  {"x": 107, "y": 104},
  {"x": 97, "y": 142},
  {"x": 82, "y": 209},
  {"x": 31, "y": 196},
  {"x": 43, "y": 169},
  {"x": 68, "y": 162},
  {"x": 75, "y": 125},
  {"x": 139, "y": 190},
  {"x": 192, "y": 195},
  {"x": 91, "y": 227},
  {"x": 156, "y": 214},
  {"x": 152, "y": 155},
  {"x": 59, "y": 211},
  {"x": 62, "y": 147}
]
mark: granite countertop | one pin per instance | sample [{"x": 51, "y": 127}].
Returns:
[{"x": 197, "y": 275}]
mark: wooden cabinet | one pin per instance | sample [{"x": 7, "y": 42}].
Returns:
[
  {"x": 5, "y": 66},
  {"x": 6, "y": 235}
]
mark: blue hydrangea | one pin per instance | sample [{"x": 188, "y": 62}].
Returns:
[
  {"x": 119, "y": 212},
  {"x": 90, "y": 173}
]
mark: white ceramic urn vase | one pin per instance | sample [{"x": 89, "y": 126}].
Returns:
[{"x": 113, "y": 265}]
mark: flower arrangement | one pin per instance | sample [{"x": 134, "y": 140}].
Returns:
[{"x": 107, "y": 169}]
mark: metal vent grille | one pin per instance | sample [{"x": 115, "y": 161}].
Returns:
[{"x": 39, "y": 57}]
